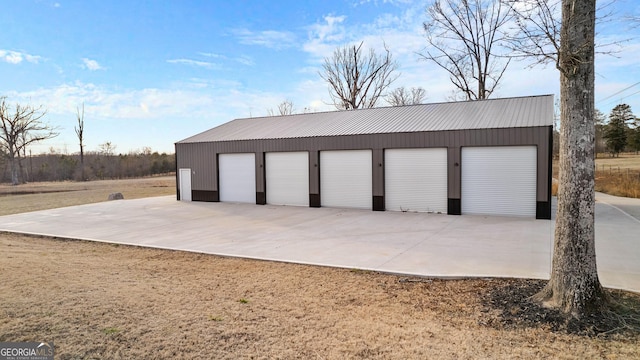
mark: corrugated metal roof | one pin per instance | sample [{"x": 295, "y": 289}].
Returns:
[{"x": 483, "y": 114}]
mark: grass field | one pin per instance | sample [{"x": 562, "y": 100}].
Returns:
[
  {"x": 625, "y": 161},
  {"x": 103, "y": 301},
  {"x": 41, "y": 196},
  {"x": 619, "y": 176}
]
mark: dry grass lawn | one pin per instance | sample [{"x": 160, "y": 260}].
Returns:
[
  {"x": 50, "y": 195},
  {"x": 623, "y": 161},
  {"x": 102, "y": 301},
  {"x": 619, "y": 176}
]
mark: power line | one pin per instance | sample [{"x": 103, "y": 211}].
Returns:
[
  {"x": 624, "y": 97},
  {"x": 623, "y": 90},
  {"x": 637, "y": 92}
]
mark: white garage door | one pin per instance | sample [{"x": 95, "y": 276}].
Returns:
[
  {"x": 237, "y": 173},
  {"x": 416, "y": 180},
  {"x": 499, "y": 180},
  {"x": 345, "y": 179},
  {"x": 287, "y": 177}
]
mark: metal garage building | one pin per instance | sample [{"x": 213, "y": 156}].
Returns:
[{"x": 474, "y": 157}]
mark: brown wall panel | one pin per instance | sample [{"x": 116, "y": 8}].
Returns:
[
  {"x": 314, "y": 172},
  {"x": 377, "y": 163},
  {"x": 260, "y": 173},
  {"x": 453, "y": 174}
]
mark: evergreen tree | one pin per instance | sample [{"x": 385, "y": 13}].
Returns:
[
  {"x": 634, "y": 136},
  {"x": 600, "y": 120},
  {"x": 616, "y": 132}
]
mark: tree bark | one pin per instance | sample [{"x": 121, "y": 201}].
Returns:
[
  {"x": 574, "y": 286},
  {"x": 80, "y": 132},
  {"x": 13, "y": 162}
]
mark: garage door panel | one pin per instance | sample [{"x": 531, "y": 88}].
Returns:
[
  {"x": 346, "y": 179},
  {"x": 237, "y": 174},
  {"x": 287, "y": 178},
  {"x": 499, "y": 180},
  {"x": 416, "y": 180}
]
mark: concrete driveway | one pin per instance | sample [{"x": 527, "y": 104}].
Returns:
[{"x": 395, "y": 242}]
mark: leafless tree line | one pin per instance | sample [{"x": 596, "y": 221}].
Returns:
[
  {"x": 98, "y": 165},
  {"x": 23, "y": 125}
]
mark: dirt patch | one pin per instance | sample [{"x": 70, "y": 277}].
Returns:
[
  {"x": 104, "y": 301},
  {"x": 511, "y": 304}
]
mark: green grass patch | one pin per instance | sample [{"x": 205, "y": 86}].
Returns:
[
  {"x": 215, "y": 318},
  {"x": 110, "y": 330}
]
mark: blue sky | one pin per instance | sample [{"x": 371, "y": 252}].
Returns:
[{"x": 151, "y": 73}]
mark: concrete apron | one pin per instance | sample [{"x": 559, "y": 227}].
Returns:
[{"x": 394, "y": 242}]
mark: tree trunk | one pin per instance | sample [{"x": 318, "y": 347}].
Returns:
[
  {"x": 13, "y": 163},
  {"x": 574, "y": 287},
  {"x": 23, "y": 177},
  {"x": 82, "y": 162}
]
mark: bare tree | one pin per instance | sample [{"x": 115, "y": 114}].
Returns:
[
  {"x": 107, "y": 148},
  {"x": 19, "y": 129},
  {"x": 80, "y": 133},
  {"x": 284, "y": 108},
  {"x": 463, "y": 38},
  {"x": 401, "y": 96},
  {"x": 356, "y": 79},
  {"x": 574, "y": 287},
  {"x": 108, "y": 161},
  {"x": 538, "y": 25}
]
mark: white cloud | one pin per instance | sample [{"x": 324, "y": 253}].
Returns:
[
  {"x": 16, "y": 57},
  {"x": 331, "y": 30},
  {"x": 199, "y": 99},
  {"x": 325, "y": 36},
  {"x": 91, "y": 64},
  {"x": 203, "y": 64},
  {"x": 272, "y": 39},
  {"x": 200, "y": 83},
  {"x": 245, "y": 60},
  {"x": 212, "y": 55}
]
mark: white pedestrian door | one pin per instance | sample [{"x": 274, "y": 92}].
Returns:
[
  {"x": 416, "y": 180},
  {"x": 499, "y": 180},
  {"x": 346, "y": 179},
  {"x": 185, "y": 184},
  {"x": 237, "y": 174},
  {"x": 287, "y": 178}
]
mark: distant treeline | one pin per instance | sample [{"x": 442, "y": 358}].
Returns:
[{"x": 97, "y": 166}]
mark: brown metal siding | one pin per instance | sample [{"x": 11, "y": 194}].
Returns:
[
  {"x": 201, "y": 157},
  {"x": 453, "y": 173},
  {"x": 377, "y": 164},
  {"x": 314, "y": 172},
  {"x": 202, "y": 160}
]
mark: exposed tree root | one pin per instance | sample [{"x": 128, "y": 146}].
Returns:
[
  {"x": 514, "y": 307},
  {"x": 577, "y": 303}
]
